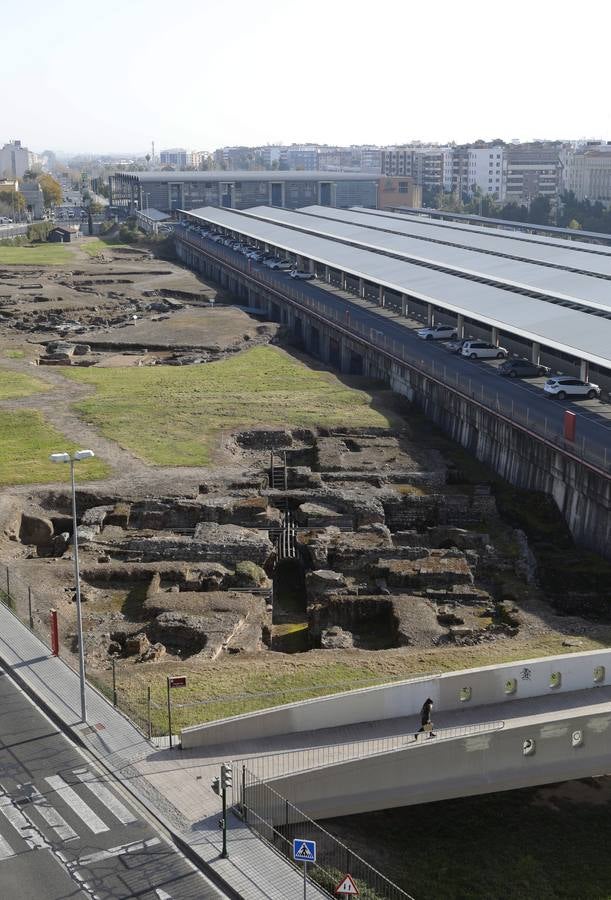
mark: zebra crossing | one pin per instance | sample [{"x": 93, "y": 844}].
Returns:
[{"x": 58, "y": 814}]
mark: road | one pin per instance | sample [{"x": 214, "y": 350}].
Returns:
[
  {"x": 66, "y": 831},
  {"x": 525, "y": 399}
]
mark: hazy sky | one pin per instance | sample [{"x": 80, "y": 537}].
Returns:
[{"x": 112, "y": 76}]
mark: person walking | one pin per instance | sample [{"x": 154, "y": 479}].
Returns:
[{"x": 426, "y": 723}]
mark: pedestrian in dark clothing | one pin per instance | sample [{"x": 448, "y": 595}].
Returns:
[{"x": 425, "y": 718}]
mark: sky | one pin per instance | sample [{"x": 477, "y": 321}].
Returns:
[{"x": 112, "y": 77}]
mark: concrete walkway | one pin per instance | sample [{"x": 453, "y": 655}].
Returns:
[{"x": 179, "y": 796}]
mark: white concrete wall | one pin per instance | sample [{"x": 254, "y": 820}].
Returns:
[
  {"x": 436, "y": 771},
  {"x": 405, "y": 698}
]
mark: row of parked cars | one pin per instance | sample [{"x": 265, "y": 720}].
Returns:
[
  {"x": 270, "y": 260},
  {"x": 559, "y": 386}
]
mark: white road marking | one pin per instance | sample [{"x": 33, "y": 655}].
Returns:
[
  {"x": 117, "y": 851},
  {"x": 162, "y": 894},
  {"x": 6, "y": 850},
  {"x": 106, "y": 797},
  {"x": 22, "y": 826},
  {"x": 50, "y": 815},
  {"x": 69, "y": 796}
]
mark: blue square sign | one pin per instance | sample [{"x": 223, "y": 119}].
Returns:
[{"x": 304, "y": 851}]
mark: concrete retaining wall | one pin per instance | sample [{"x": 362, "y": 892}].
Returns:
[{"x": 486, "y": 685}]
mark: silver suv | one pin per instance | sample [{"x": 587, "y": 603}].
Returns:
[{"x": 563, "y": 386}]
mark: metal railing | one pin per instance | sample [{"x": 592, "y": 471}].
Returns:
[
  {"x": 275, "y": 765},
  {"x": 591, "y": 452},
  {"x": 277, "y": 821}
]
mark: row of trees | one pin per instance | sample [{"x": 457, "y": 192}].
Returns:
[{"x": 569, "y": 212}]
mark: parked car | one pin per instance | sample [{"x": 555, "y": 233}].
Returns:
[
  {"x": 522, "y": 368},
  {"x": 301, "y": 273},
  {"x": 563, "y": 386},
  {"x": 456, "y": 346},
  {"x": 281, "y": 264},
  {"x": 482, "y": 350},
  {"x": 437, "y": 333}
]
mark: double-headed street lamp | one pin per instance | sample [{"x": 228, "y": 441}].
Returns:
[{"x": 66, "y": 458}]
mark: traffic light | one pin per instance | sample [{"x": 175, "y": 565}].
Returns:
[{"x": 226, "y": 776}]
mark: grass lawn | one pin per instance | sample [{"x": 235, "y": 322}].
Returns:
[
  {"x": 39, "y": 255},
  {"x": 95, "y": 245},
  {"x": 173, "y": 415},
  {"x": 13, "y": 354},
  {"x": 27, "y": 441},
  {"x": 14, "y": 385},
  {"x": 230, "y": 686}
]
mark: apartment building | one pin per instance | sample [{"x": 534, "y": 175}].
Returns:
[
  {"x": 587, "y": 172},
  {"x": 177, "y": 156},
  {"x": 15, "y": 160},
  {"x": 426, "y": 165},
  {"x": 533, "y": 170}
]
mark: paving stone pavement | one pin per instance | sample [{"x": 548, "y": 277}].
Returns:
[{"x": 179, "y": 796}]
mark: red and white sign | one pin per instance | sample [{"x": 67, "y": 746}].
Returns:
[
  {"x": 347, "y": 887},
  {"x": 177, "y": 681}
]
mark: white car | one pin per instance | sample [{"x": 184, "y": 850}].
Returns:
[
  {"x": 437, "y": 333},
  {"x": 563, "y": 386},
  {"x": 299, "y": 273},
  {"x": 483, "y": 350}
]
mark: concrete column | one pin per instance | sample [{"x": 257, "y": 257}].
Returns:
[
  {"x": 494, "y": 336},
  {"x": 584, "y": 370},
  {"x": 460, "y": 326},
  {"x": 344, "y": 282},
  {"x": 361, "y": 287},
  {"x": 403, "y": 305},
  {"x": 535, "y": 353},
  {"x": 429, "y": 314},
  {"x": 381, "y": 300},
  {"x": 327, "y": 274}
]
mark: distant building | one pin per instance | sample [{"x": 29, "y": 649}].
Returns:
[
  {"x": 15, "y": 160},
  {"x": 303, "y": 158},
  {"x": 426, "y": 165},
  {"x": 396, "y": 192},
  {"x": 64, "y": 234},
  {"x": 178, "y": 157},
  {"x": 169, "y": 191},
  {"x": 587, "y": 172},
  {"x": 34, "y": 198},
  {"x": 533, "y": 170}
]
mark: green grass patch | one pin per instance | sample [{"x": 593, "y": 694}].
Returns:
[
  {"x": 172, "y": 415},
  {"x": 39, "y": 255},
  {"x": 95, "y": 246},
  {"x": 27, "y": 441},
  {"x": 13, "y": 354},
  {"x": 14, "y": 385}
]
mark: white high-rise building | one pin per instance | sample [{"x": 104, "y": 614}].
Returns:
[
  {"x": 15, "y": 160},
  {"x": 486, "y": 171}
]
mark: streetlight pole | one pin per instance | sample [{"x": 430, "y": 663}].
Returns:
[{"x": 66, "y": 458}]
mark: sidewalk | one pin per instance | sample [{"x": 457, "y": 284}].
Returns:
[{"x": 181, "y": 799}]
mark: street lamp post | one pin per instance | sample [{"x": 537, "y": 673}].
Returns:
[{"x": 66, "y": 458}]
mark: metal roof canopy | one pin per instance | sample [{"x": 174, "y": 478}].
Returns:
[
  {"x": 565, "y": 286},
  {"x": 228, "y": 176},
  {"x": 592, "y": 251},
  {"x": 564, "y": 329},
  {"x": 526, "y": 227}
]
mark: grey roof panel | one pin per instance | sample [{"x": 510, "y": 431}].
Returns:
[
  {"x": 336, "y": 223},
  {"x": 567, "y": 330}
]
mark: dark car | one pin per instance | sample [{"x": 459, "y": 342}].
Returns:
[{"x": 522, "y": 368}]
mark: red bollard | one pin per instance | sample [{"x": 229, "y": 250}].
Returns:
[
  {"x": 570, "y": 422},
  {"x": 54, "y": 633}
]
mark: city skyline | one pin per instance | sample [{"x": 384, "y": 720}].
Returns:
[{"x": 207, "y": 78}]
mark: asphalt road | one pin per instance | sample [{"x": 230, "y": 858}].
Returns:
[
  {"x": 66, "y": 831},
  {"x": 526, "y": 398}
]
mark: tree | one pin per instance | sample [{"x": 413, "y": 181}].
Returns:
[
  {"x": 540, "y": 209},
  {"x": 51, "y": 190},
  {"x": 574, "y": 224},
  {"x": 13, "y": 200}
]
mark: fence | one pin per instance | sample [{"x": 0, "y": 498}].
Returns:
[
  {"x": 278, "y": 822},
  {"x": 275, "y": 765},
  {"x": 549, "y": 429}
]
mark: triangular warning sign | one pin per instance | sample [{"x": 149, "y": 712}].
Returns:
[
  {"x": 347, "y": 887},
  {"x": 304, "y": 852}
]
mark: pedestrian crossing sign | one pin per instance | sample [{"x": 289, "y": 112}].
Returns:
[
  {"x": 304, "y": 851},
  {"x": 347, "y": 887}
]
